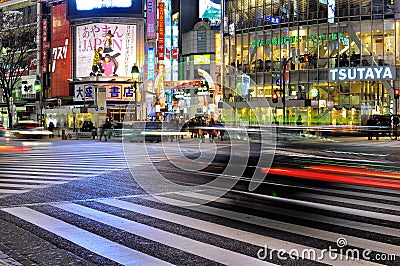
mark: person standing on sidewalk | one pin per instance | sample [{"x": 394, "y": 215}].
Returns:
[
  {"x": 370, "y": 127},
  {"x": 51, "y": 128},
  {"x": 103, "y": 131},
  {"x": 378, "y": 127}
]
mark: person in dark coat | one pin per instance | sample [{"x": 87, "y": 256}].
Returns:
[
  {"x": 370, "y": 129},
  {"x": 51, "y": 128}
]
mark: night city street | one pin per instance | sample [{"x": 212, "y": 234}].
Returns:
[{"x": 76, "y": 202}]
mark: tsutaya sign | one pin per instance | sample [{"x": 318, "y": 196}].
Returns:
[{"x": 362, "y": 73}]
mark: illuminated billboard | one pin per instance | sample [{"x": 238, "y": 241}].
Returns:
[
  {"x": 104, "y": 8},
  {"x": 202, "y": 59},
  {"x": 82, "y": 5},
  {"x": 105, "y": 49},
  {"x": 210, "y": 9}
]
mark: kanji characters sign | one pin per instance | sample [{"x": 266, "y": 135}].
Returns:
[{"x": 114, "y": 92}]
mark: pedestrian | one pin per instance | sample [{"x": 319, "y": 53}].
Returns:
[
  {"x": 378, "y": 126},
  {"x": 51, "y": 128},
  {"x": 370, "y": 127},
  {"x": 103, "y": 131},
  {"x": 212, "y": 132},
  {"x": 299, "y": 122}
]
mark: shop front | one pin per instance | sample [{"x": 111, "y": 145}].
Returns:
[{"x": 335, "y": 74}]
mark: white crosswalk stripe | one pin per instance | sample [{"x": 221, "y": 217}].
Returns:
[
  {"x": 56, "y": 165},
  {"x": 211, "y": 223}
]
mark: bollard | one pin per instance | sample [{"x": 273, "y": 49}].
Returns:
[{"x": 63, "y": 134}]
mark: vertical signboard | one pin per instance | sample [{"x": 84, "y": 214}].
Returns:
[
  {"x": 45, "y": 45},
  {"x": 331, "y": 11},
  {"x": 151, "y": 32},
  {"x": 175, "y": 52},
  {"x": 161, "y": 31},
  {"x": 218, "y": 59},
  {"x": 150, "y": 63},
  {"x": 60, "y": 64}
]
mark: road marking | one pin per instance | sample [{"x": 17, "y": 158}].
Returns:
[
  {"x": 232, "y": 233},
  {"x": 176, "y": 241},
  {"x": 85, "y": 239},
  {"x": 307, "y": 216},
  {"x": 283, "y": 226}
]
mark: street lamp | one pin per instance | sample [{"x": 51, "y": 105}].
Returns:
[{"x": 135, "y": 77}]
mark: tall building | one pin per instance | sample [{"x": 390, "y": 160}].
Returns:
[
  {"x": 94, "y": 46},
  {"x": 25, "y": 104},
  {"x": 333, "y": 62}
]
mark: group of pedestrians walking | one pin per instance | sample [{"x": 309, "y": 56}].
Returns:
[
  {"x": 373, "y": 128},
  {"x": 199, "y": 127},
  {"x": 106, "y": 130}
]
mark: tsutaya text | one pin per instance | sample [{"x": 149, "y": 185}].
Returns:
[{"x": 362, "y": 73}]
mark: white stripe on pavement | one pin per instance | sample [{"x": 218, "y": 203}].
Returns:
[
  {"x": 85, "y": 239},
  {"x": 228, "y": 232},
  {"x": 351, "y": 201},
  {"x": 36, "y": 181},
  {"x": 307, "y": 216},
  {"x": 176, "y": 241},
  {"x": 13, "y": 191},
  {"x": 325, "y": 207},
  {"x": 286, "y": 227}
]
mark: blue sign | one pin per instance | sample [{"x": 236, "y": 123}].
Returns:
[
  {"x": 150, "y": 61},
  {"x": 273, "y": 20},
  {"x": 278, "y": 82}
]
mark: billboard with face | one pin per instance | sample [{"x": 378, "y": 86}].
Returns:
[{"x": 103, "y": 49}]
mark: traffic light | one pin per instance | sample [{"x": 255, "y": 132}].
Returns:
[
  {"x": 303, "y": 58},
  {"x": 37, "y": 86},
  {"x": 396, "y": 94},
  {"x": 274, "y": 98}
]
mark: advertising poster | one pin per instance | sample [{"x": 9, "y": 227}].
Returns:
[
  {"x": 60, "y": 57},
  {"x": 105, "y": 50},
  {"x": 210, "y": 9},
  {"x": 98, "y": 4}
]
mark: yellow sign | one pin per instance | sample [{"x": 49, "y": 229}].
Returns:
[
  {"x": 202, "y": 59},
  {"x": 218, "y": 58}
]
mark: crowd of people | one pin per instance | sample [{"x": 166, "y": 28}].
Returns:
[{"x": 200, "y": 128}]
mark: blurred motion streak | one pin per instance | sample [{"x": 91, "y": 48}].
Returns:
[
  {"x": 354, "y": 171},
  {"x": 329, "y": 177},
  {"x": 14, "y": 149}
]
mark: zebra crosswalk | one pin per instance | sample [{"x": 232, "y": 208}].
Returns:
[
  {"x": 237, "y": 229},
  {"x": 49, "y": 165}
]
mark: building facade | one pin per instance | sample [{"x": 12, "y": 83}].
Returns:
[{"x": 334, "y": 62}]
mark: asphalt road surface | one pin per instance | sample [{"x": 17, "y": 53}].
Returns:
[{"x": 80, "y": 203}]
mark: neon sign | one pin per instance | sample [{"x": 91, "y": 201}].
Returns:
[{"x": 334, "y": 36}]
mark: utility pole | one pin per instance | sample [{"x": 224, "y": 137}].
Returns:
[{"x": 284, "y": 63}]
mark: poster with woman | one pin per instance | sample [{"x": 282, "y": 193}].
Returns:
[{"x": 100, "y": 46}]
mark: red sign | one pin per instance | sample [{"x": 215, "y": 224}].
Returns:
[
  {"x": 44, "y": 30},
  {"x": 161, "y": 30},
  {"x": 60, "y": 53}
]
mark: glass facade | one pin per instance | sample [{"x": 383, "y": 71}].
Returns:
[{"x": 314, "y": 38}]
